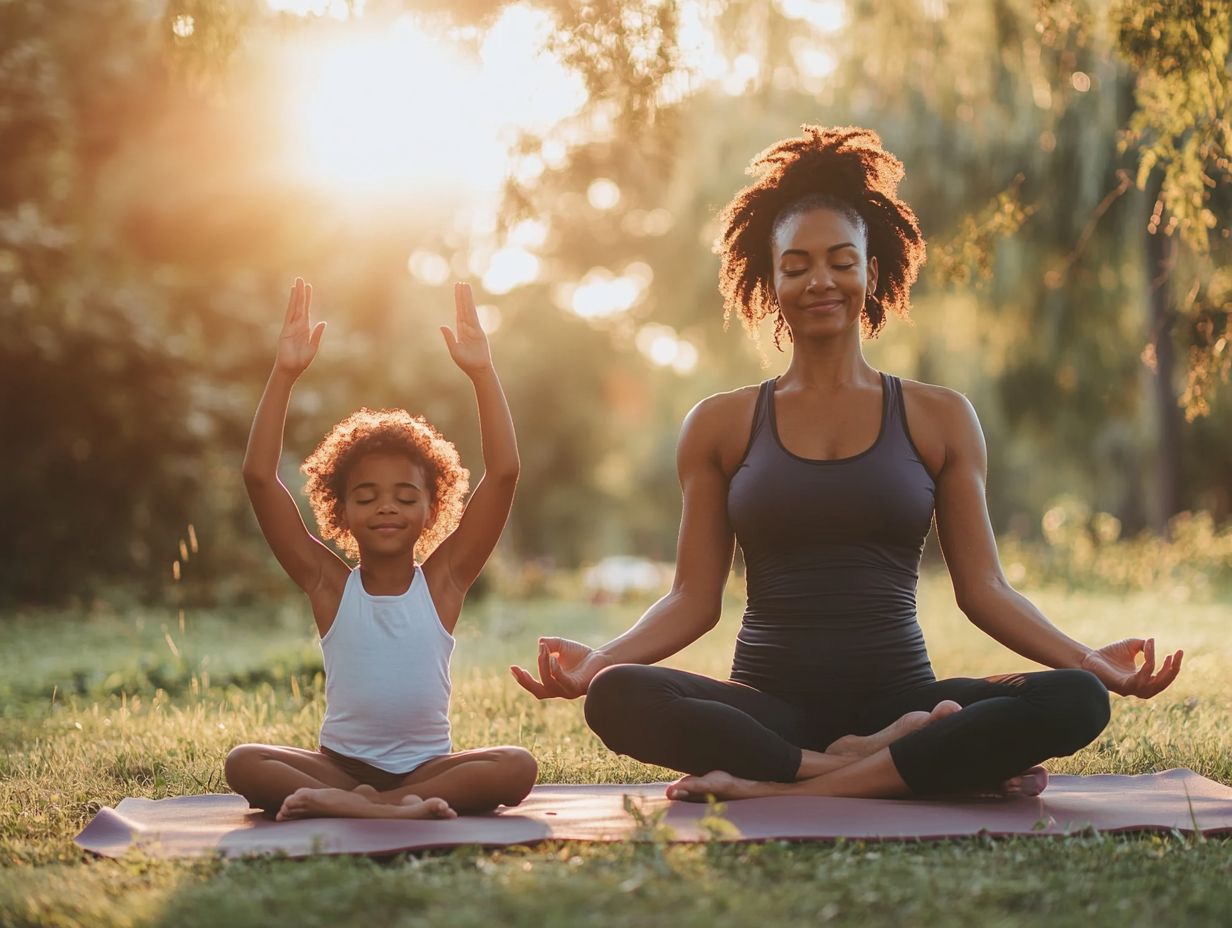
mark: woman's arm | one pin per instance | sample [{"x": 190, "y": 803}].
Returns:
[
  {"x": 703, "y": 560},
  {"x": 980, "y": 587},
  {"x": 301, "y": 555},
  {"x": 468, "y": 547}
]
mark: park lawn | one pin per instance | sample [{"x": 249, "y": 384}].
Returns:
[{"x": 97, "y": 707}]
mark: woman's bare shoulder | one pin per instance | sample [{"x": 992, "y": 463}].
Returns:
[
  {"x": 719, "y": 405},
  {"x": 718, "y": 427},
  {"x": 941, "y": 422},
  {"x": 937, "y": 402}
]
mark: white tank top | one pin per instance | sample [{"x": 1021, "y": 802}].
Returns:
[{"x": 387, "y": 678}]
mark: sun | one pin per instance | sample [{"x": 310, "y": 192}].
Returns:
[{"x": 401, "y": 108}]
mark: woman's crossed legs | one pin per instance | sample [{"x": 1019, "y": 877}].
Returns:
[{"x": 747, "y": 743}]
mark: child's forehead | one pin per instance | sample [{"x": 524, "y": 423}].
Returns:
[{"x": 385, "y": 468}]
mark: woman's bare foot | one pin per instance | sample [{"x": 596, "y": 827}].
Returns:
[
  {"x": 864, "y": 745},
  {"x": 341, "y": 803},
  {"x": 1028, "y": 783},
  {"x": 721, "y": 785}
]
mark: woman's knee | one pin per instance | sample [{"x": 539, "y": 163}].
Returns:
[
  {"x": 1086, "y": 708},
  {"x": 613, "y": 696}
]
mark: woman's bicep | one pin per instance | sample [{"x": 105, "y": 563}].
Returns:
[
  {"x": 963, "y": 525},
  {"x": 706, "y": 542}
]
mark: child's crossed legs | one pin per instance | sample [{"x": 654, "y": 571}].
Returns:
[{"x": 298, "y": 783}]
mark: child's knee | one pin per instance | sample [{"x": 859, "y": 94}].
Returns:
[
  {"x": 239, "y": 767},
  {"x": 519, "y": 772}
]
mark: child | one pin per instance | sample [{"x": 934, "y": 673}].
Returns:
[{"x": 381, "y": 483}]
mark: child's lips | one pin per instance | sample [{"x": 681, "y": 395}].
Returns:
[{"x": 387, "y": 528}]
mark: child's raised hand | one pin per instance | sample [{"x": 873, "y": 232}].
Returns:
[
  {"x": 298, "y": 343},
  {"x": 469, "y": 346}
]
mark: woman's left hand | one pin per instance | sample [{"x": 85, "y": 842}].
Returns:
[
  {"x": 469, "y": 345},
  {"x": 1115, "y": 665}
]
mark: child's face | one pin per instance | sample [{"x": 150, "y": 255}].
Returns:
[{"x": 387, "y": 504}]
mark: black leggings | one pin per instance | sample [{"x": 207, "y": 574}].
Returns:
[{"x": 695, "y": 724}]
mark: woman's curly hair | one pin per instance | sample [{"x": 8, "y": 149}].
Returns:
[
  {"x": 385, "y": 431},
  {"x": 844, "y": 168}
]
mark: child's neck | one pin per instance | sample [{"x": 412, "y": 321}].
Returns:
[{"x": 386, "y": 576}]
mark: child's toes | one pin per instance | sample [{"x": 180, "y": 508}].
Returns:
[{"x": 439, "y": 808}]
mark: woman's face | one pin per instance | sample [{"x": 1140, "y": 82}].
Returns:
[{"x": 822, "y": 273}]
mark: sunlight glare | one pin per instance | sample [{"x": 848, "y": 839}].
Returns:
[
  {"x": 428, "y": 267},
  {"x": 404, "y": 108},
  {"x": 334, "y": 9},
  {"x": 601, "y": 294},
  {"x": 508, "y": 268},
  {"x": 663, "y": 347},
  {"x": 603, "y": 194},
  {"x": 827, "y": 16}
]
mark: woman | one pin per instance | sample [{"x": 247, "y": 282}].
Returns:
[{"x": 829, "y": 476}]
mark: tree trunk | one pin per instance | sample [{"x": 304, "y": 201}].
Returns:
[{"x": 1160, "y": 256}]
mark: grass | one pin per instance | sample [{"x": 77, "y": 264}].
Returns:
[{"x": 94, "y": 708}]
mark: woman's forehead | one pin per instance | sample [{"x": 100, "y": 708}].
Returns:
[{"x": 817, "y": 229}]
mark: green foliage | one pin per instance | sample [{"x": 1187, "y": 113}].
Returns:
[
  {"x": 1183, "y": 124},
  {"x": 146, "y": 235},
  {"x": 1085, "y": 549}
]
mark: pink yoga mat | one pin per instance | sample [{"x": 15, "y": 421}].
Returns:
[{"x": 192, "y": 826}]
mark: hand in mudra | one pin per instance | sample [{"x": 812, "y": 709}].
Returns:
[
  {"x": 1116, "y": 666},
  {"x": 468, "y": 346},
  {"x": 299, "y": 341},
  {"x": 565, "y": 669}
]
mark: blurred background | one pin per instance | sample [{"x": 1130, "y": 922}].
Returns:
[{"x": 167, "y": 168}]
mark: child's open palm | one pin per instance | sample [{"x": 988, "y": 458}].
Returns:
[
  {"x": 468, "y": 346},
  {"x": 298, "y": 343}
]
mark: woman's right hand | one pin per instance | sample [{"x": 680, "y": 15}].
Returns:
[
  {"x": 565, "y": 669},
  {"x": 298, "y": 343}
]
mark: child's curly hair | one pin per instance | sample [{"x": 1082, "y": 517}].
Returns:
[
  {"x": 844, "y": 168},
  {"x": 385, "y": 431}
]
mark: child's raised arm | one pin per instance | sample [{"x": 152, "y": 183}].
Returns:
[
  {"x": 467, "y": 549},
  {"x": 301, "y": 555}
]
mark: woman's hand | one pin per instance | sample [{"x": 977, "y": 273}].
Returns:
[
  {"x": 565, "y": 669},
  {"x": 1116, "y": 667},
  {"x": 469, "y": 346},
  {"x": 299, "y": 341}
]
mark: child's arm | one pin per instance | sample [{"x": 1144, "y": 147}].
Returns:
[
  {"x": 466, "y": 550},
  {"x": 301, "y": 555}
]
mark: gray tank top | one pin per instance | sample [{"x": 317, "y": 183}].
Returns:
[{"x": 832, "y": 551}]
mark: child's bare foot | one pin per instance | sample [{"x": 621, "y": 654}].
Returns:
[
  {"x": 721, "y": 785},
  {"x": 864, "y": 745},
  {"x": 341, "y": 803}
]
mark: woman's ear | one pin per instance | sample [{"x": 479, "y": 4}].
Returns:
[{"x": 872, "y": 275}]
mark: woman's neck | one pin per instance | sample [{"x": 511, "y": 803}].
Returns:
[{"x": 832, "y": 362}]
